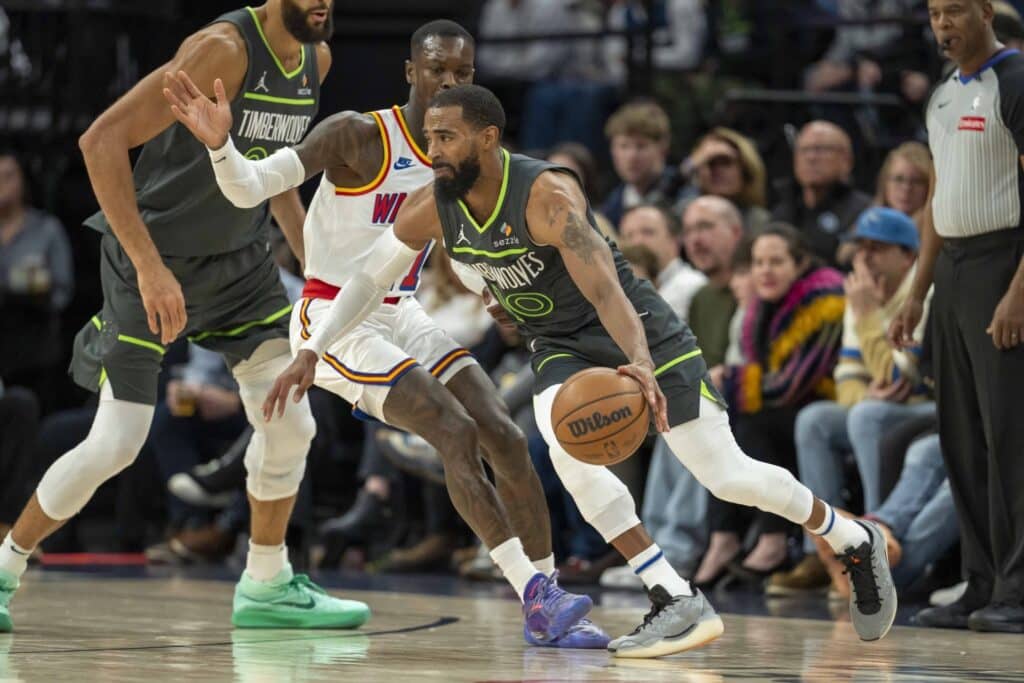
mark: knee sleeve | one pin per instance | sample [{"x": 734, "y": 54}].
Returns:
[
  {"x": 603, "y": 500},
  {"x": 275, "y": 459},
  {"x": 117, "y": 435},
  {"x": 707, "y": 447}
]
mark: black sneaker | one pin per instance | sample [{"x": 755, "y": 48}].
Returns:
[
  {"x": 953, "y": 615},
  {"x": 997, "y": 618},
  {"x": 369, "y": 515}
]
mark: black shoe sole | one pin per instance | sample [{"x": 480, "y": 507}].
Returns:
[
  {"x": 954, "y": 626},
  {"x": 985, "y": 626}
]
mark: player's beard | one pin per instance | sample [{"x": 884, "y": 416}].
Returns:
[
  {"x": 463, "y": 178},
  {"x": 296, "y": 20}
]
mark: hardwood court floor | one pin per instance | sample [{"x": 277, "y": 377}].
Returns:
[{"x": 77, "y": 627}]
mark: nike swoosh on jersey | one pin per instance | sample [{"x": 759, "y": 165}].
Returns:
[{"x": 403, "y": 162}]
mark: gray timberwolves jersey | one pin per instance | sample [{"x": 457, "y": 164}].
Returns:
[
  {"x": 177, "y": 194},
  {"x": 530, "y": 281}
]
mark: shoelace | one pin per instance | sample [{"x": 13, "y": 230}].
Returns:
[
  {"x": 303, "y": 582},
  {"x": 553, "y": 596},
  {"x": 656, "y": 609},
  {"x": 864, "y": 581}
]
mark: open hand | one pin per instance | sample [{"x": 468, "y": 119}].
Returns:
[
  {"x": 300, "y": 374},
  {"x": 210, "y": 121},
  {"x": 644, "y": 374},
  {"x": 1007, "y": 326},
  {"x": 163, "y": 301}
]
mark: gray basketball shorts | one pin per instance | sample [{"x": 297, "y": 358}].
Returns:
[
  {"x": 234, "y": 301},
  {"x": 678, "y": 362}
]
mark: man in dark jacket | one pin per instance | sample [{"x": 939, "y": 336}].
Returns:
[{"x": 819, "y": 201}]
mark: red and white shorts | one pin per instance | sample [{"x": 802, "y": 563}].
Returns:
[{"x": 362, "y": 366}]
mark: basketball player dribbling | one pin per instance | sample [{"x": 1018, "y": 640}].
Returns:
[
  {"x": 177, "y": 258},
  {"x": 399, "y": 366},
  {"x": 524, "y": 226}
]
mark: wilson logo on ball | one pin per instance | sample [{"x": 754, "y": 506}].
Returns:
[{"x": 598, "y": 421}]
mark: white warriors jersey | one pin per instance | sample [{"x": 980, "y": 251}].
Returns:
[{"x": 343, "y": 223}]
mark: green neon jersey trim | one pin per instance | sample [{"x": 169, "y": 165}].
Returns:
[
  {"x": 552, "y": 357},
  {"x": 127, "y": 339},
  {"x": 676, "y": 361},
  {"x": 490, "y": 254},
  {"x": 501, "y": 197},
  {"x": 242, "y": 328},
  {"x": 266, "y": 43},
  {"x": 279, "y": 100}
]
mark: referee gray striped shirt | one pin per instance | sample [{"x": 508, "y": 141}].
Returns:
[{"x": 976, "y": 135}]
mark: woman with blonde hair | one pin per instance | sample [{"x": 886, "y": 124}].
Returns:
[
  {"x": 905, "y": 179},
  {"x": 727, "y": 164}
]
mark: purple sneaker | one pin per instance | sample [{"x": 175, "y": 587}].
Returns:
[
  {"x": 583, "y": 635},
  {"x": 549, "y": 610}
]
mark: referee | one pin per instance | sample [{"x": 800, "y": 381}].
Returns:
[{"x": 973, "y": 244}]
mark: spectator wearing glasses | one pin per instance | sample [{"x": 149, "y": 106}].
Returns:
[
  {"x": 819, "y": 200},
  {"x": 905, "y": 178}
]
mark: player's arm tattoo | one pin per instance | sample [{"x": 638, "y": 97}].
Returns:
[{"x": 577, "y": 234}]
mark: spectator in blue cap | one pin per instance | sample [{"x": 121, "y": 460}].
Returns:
[{"x": 877, "y": 386}]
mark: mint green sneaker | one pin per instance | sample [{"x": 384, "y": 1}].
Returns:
[
  {"x": 8, "y": 584},
  {"x": 292, "y": 601}
]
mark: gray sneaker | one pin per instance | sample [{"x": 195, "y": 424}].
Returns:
[
  {"x": 873, "y": 602},
  {"x": 674, "y": 624}
]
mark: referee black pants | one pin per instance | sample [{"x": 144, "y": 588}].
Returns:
[{"x": 980, "y": 394}]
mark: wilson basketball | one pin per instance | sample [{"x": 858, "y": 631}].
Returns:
[{"x": 600, "y": 417}]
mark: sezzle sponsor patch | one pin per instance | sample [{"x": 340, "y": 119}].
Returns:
[{"x": 976, "y": 123}]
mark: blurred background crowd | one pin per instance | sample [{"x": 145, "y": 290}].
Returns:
[{"x": 762, "y": 162}]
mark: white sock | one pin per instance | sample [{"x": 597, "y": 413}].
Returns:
[
  {"x": 546, "y": 565},
  {"x": 13, "y": 558},
  {"x": 652, "y": 567},
  {"x": 514, "y": 564},
  {"x": 264, "y": 562},
  {"x": 839, "y": 532}
]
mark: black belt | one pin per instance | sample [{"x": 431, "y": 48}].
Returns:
[{"x": 985, "y": 241}]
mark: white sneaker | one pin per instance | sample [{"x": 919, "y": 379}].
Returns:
[
  {"x": 621, "y": 578},
  {"x": 947, "y": 596}
]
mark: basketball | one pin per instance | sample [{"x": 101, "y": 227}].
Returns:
[{"x": 600, "y": 416}]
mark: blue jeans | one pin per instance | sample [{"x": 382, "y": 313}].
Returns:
[
  {"x": 920, "y": 511},
  {"x": 822, "y": 441},
  {"x": 865, "y": 424},
  {"x": 675, "y": 509}
]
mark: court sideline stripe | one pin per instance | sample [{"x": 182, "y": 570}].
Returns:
[{"x": 439, "y": 622}]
